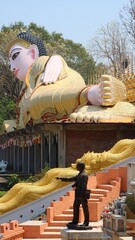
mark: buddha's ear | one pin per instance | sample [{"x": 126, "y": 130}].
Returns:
[{"x": 34, "y": 51}]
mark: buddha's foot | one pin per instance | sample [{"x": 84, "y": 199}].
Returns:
[
  {"x": 122, "y": 112},
  {"x": 112, "y": 90}
]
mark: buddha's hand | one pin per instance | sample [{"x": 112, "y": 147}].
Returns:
[{"x": 52, "y": 70}]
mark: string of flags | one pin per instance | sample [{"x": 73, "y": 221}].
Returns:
[
  {"x": 28, "y": 141},
  {"x": 22, "y": 142}
]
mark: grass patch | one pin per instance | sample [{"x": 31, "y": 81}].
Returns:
[{"x": 2, "y": 193}]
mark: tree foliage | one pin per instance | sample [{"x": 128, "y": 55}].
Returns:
[
  {"x": 110, "y": 46},
  {"x": 9, "y": 85},
  {"x": 7, "y": 109},
  {"x": 127, "y": 16}
]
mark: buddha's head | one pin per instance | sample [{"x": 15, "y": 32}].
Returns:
[{"x": 23, "y": 51}]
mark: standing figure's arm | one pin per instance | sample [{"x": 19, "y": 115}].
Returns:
[{"x": 68, "y": 179}]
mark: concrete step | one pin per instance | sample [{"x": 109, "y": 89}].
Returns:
[
  {"x": 100, "y": 199},
  {"x": 65, "y": 217},
  {"x": 94, "y": 195},
  {"x": 93, "y": 200},
  {"x": 106, "y": 186},
  {"x": 54, "y": 229},
  {"x": 59, "y": 223},
  {"x": 113, "y": 182},
  {"x": 101, "y": 191},
  {"x": 68, "y": 211},
  {"x": 71, "y": 207},
  {"x": 49, "y": 235}
]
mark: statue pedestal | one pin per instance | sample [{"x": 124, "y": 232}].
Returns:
[
  {"x": 73, "y": 234},
  {"x": 78, "y": 227}
]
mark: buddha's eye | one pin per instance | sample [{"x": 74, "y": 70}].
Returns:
[{"x": 15, "y": 55}]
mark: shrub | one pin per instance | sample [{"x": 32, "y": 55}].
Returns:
[
  {"x": 14, "y": 178},
  {"x": 130, "y": 201},
  {"x": 38, "y": 176},
  {"x": 2, "y": 193}
]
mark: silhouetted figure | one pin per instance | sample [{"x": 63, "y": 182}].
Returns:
[{"x": 81, "y": 196}]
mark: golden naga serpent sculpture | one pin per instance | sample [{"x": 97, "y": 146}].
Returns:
[{"x": 23, "y": 193}]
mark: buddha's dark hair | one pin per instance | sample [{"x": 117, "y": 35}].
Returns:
[{"x": 28, "y": 37}]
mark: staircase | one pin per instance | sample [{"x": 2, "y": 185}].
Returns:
[
  {"x": 105, "y": 187},
  {"x": 61, "y": 212},
  {"x": 101, "y": 196}
]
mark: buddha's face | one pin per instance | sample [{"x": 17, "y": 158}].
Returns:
[{"x": 21, "y": 58}]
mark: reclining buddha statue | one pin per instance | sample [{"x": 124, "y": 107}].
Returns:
[{"x": 52, "y": 91}]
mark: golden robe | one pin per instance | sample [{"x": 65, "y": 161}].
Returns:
[{"x": 47, "y": 103}]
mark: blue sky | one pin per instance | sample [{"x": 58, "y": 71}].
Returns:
[{"x": 77, "y": 20}]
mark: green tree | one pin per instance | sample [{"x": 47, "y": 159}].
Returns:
[
  {"x": 127, "y": 16},
  {"x": 14, "y": 179},
  {"x": 111, "y": 47},
  {"x": 9, "y": 85},
  {"x": 7, "y": 109}
]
